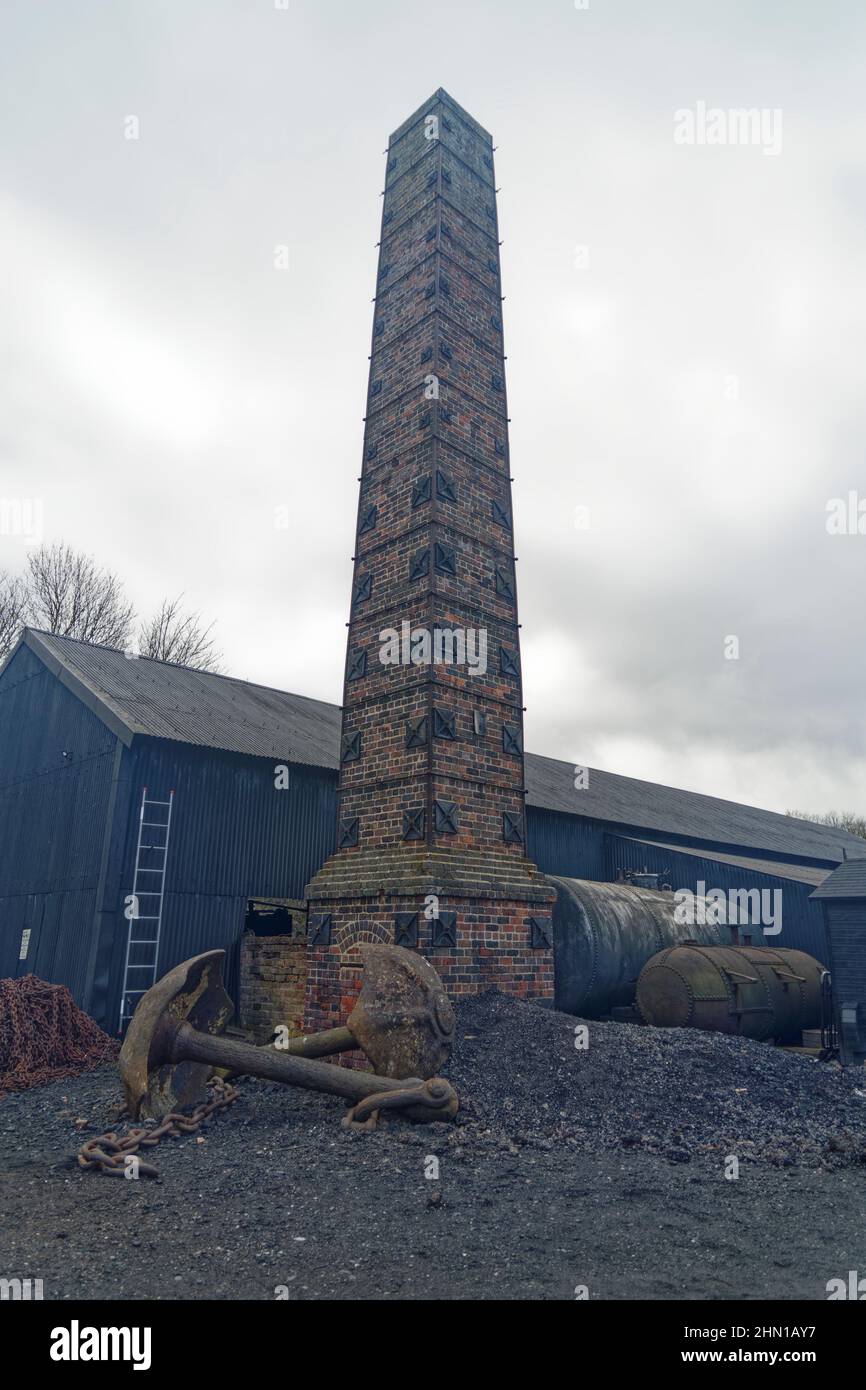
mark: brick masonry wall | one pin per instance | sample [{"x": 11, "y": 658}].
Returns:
[
  {"x": 490, "y": 951},
  {"x": 273, "y": 982},
  {"x": 432, "y": 754}
]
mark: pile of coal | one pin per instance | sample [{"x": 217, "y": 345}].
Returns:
[{"x": 530, "y": 1076}]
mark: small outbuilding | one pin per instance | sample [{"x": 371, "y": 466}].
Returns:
[{"x": 843, "y": 898}]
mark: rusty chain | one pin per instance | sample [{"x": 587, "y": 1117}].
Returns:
[
  {"x": 45, "y": 1036},
  {"x": 108, "y": 1152}
]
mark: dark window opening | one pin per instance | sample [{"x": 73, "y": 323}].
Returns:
[{"x": 267, "y": 919}]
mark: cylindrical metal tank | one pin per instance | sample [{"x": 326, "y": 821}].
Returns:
[
  {"x": 604, "y": 933},
  {"x": 756, "y": 991}
]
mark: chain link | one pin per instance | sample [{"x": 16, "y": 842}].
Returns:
[
  {"x": 108, "y": 1152},
  {"x": 432, "y": 1095}
]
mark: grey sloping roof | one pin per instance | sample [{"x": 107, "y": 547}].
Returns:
[
  {"x": 799, "y": 873},
  {"x": 158, "y": 700},
  {"x": 848, "y": 881},
  {"x": 651, "y": 806}
]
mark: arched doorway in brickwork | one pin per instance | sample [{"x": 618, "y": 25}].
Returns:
[{"x": 359, "y": 932}]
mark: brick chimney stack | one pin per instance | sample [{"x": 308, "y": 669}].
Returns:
[{"x": 431, "y": 842}]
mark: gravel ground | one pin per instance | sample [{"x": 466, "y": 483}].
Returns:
[{"x": 602, "y": 1167}]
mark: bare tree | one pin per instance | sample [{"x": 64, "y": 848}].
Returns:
[
  {"x": 839, "y": 820},
  {"x": 178, "y": 636},
  {"x": 13, "y": 612},
  {"x": 69, "y": 594}
]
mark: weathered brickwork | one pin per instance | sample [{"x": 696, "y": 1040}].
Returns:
[
  {"x": 430, "y": 845},
  {"x": 273, "y": 980},
  {"x": 491, "y": 951}
]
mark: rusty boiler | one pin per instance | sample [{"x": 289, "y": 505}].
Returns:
[{"x": 755, "y": 991}]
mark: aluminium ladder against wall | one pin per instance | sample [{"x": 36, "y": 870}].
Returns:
[{"x": 144, "y": 909}]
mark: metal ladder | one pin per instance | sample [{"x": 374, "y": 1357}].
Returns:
[{"x": 148, "y": 887}]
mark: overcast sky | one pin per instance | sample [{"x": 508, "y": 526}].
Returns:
[{"x": 684, "y": 328}]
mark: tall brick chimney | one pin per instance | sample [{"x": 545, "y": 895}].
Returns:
[{"x": 431, "y": 843}]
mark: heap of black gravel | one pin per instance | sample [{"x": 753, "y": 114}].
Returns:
[
  {"x": 525, "y": 1088},
  {"x": 675, "y": 1091}
]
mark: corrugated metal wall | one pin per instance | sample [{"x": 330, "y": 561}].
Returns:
[
  {"x": 802, "y": 921},
  {"x": 566, "y": 845},
  {"x": 234, "y": 836},
  {"x": 233, "y": 832},
  {"x": 53, "y": 816}
]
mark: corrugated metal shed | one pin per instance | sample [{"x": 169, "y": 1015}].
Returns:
[{"x": 164, "y": 701}]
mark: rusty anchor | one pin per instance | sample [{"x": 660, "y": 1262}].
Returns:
[
  {"x": 402, "y": 1018},
  {"x": 172, "y": 1045}
]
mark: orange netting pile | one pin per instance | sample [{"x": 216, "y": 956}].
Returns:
[{"x": 45, "y": 1036}]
